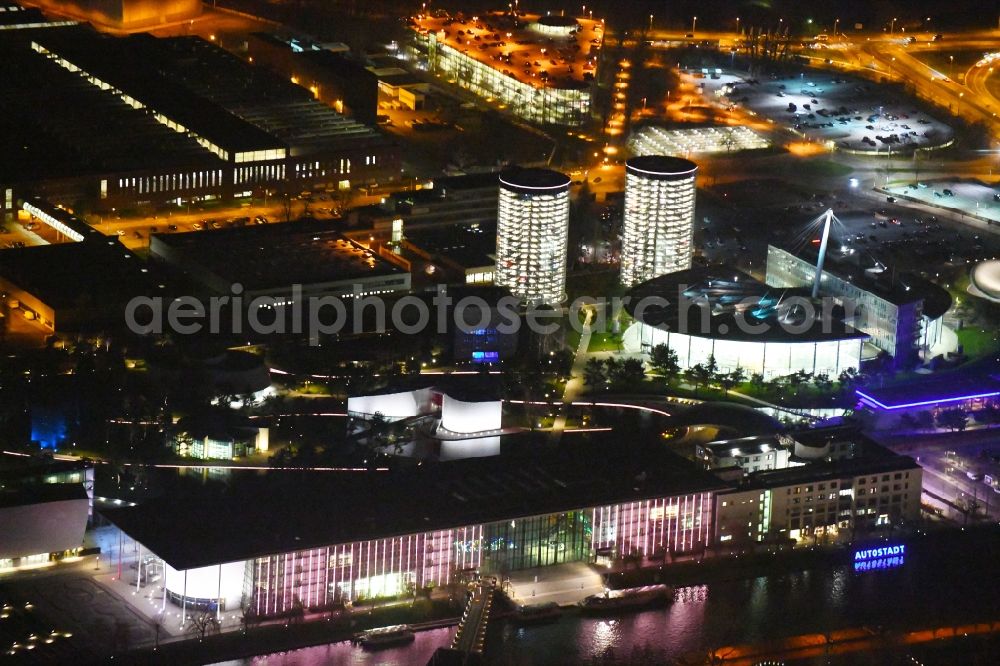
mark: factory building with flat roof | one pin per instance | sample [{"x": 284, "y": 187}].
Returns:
[{"x": 139, "y": 120}]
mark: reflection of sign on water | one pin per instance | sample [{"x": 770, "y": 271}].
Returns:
[{"x": 884, "y": 557}]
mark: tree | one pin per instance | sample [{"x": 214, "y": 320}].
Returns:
[
  {"x": 953, "y": 419},
  {"x": 249, "y": 618},
  {"x": 732, "y": 379},
  {"x": 202, "y": 624},
  {"x": 712, "y": 366},
  {"x": 822, "y": 382},
  {"x": 797, "y": 379},
  {"x": 665, "y": 361},
  {"x": 699, "y": 375},
  {"x": 925, "y": 420},
  {"x": 629, "y": 372},
  {"x": 988, "y": 415},
  {"x": 594, "y": 373},
  {"x": 849, "y": 378},
  {"x": 157, "y": 622},
  {"x": 378, "y": 427}
]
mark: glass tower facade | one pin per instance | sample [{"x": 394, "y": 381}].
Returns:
[
  {"x": 658, "y": 225},
  {"x": 532, "y": 232}
]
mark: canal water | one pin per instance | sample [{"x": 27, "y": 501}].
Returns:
[{"x": 939, "y": 581}]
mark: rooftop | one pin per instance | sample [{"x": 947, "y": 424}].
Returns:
[
  {"x": 41, "y": 493},
  {"x": 828, "y": 471},
  {"x": 661, "y": 165},
  {"x": 735, "y": 306},
  {"x": 74, "y": 275},
  {"x": 264, "y": 515},
  {"x": 71, "y": 127},
  {"x": 465, "y": 245},
  {"x": 534, "y": 180},
  {"x": 140, "y": 66},
  {"x": 511, "y": 45},
  {"x": 273, "y": 256},
  {"x": 864, "y": 271}
]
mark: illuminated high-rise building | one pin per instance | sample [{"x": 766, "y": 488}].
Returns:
[
  {"x": 532, "y": 231},
  {"x": 658, "y": 226}
]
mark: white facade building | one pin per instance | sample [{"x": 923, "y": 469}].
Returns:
[
  {"x": 658, "y": 229},
  {"x": 532, "y": 232}
]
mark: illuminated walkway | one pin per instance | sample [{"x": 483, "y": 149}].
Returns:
[{"x": 471, "y": 635}]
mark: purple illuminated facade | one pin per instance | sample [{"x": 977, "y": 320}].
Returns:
[{"x": 397, "y": 565}]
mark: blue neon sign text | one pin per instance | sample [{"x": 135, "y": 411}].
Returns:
[
  {"x": 883, "y": 557},
  {"x": 879, "y": 553}
]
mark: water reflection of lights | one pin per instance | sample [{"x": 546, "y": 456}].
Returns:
[{"x": 605, "y": 635}]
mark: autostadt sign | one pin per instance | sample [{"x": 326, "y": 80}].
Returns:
[
  {"x": 883, "y": 557},
  {"x": 879, "y": 553}
]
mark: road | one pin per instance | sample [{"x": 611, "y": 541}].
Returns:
[{"x": 945, "y": 478}]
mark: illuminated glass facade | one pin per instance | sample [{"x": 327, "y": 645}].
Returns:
[
  {"x": 658, "y": 228},
  {"x": 771, "y": 359},
  {"x": 895, "y": 328},
  {"x": 402, "y": 564},
  {"x": 538, "y": 103},
  {"x": 532, "y": 232}
]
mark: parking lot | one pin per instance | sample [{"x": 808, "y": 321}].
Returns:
[
  {"x": 745, "y": 216},
  {"x": 968, "y": 197},
  {"x": 850, "y": 113}
]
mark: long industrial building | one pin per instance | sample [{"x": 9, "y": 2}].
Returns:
[
  {"x": 129, "y": 121},
  {"x": 425, "y": 527}
]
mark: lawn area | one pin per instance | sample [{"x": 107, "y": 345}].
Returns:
[
  {"x": 603, "y": 284},
  {"x": 977, "y": 341},
  {"x": 602, "y": 342},
  {"x": 819, "y": 167}
]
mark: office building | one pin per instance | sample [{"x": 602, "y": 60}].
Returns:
[
  {"x": 658, "y": 224},
  {"x": 903, "y": 314},
  {"x": 833, "y": 500},
  {"x": 916, "y": 404},
  {"x": 532, "y": 233}
]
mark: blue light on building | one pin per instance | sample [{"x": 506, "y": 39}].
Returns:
[
  {"x": 883, "y": 557},
  {"x": 485, "y": 357}
]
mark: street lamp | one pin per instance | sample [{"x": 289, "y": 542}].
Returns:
[
  {"x": 694, "y": 24},
  {"x": 651, "y": 23},
  {"x": 836, "y": 23},
  {"x": 892, "y": 26},
  {"x": 737, "y": 26},
  {"x": 951, "y": 67}
]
